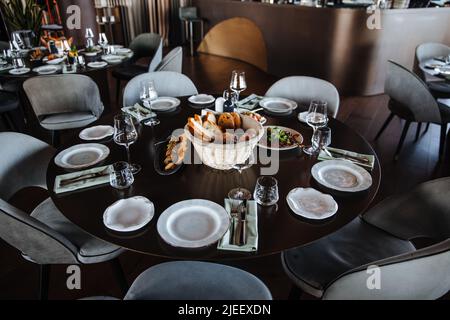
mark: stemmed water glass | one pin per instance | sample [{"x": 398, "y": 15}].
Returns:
[
  {"x": 103, "y": 41},
  {"x": 238, "y": 83},
  {"x": 125, "y": 134},
  {"x": 322, "y": 139},
  {"x": 316, "y": 118},
  {"x": 148, "y": 94},
  {"x": 240, "y": 193}
]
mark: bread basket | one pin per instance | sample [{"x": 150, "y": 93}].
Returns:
[{"x": 224, "y": 156}]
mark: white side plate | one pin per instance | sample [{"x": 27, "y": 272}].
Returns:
[
  {"x": 201, "y": 99},
  {"x": 82, "y": 156},
  {"x": 278, "y": 105},
  {"x": 96, "y": 133},
  {"x": 164, "y": 104},
  {"x": 97, "y": 64},
  {"x": 19, "y": 71},
  {"x": 311, "y": 204},
  {"x": 43, "y": 70},
  {"x": 128, "y": 215},
  {"x": 341, "y": 175},
  {"x": 193, "y": 223}
]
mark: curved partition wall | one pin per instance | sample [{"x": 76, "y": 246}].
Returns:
[{"x": 335, "y": 44}]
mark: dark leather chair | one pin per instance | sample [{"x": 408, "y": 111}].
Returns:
[
  {"x": 411, "y": 100},
  {"x": 336, "y": 266},
  {"x": 145, "y": 45}
]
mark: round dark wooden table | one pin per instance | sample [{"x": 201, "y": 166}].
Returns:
[{"x": 279, "y": 228}]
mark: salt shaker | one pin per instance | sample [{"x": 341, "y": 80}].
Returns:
[{"x": 219, "y": 104}]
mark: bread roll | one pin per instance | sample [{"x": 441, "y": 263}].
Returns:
[
  {"x": 226, "y": 121},
  {"x": 237, "y": 120},
  {"x": 210, "y": 117}
]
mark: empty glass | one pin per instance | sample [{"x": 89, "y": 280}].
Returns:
[
  {"x": 266, "y": 191},
  {"x": 125, "y": 134},
  {"x": 316, "y": 118},
  {"x": 18, "y": 63},
  {"x": 322, "y": 138},
  {"x": 103, "y": 42},
  {"x": 121, "y": 176},
  {"x": 148, "y": 94},
  {"x": 240, "y": 193},
  {"x": 238, "y": 82}
]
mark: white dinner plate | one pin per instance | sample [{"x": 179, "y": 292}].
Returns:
[
  {"x": 43, "y": 70},
  {"x": 96, "y": 133},
  {"x": 311, "y": 204},
  {"x": 128, "y": 215},
  {"x": 122, "y": 51},
  {"x": 278, "y": 105},
  {"x": 97, "y": 64},
  {"x": 82, "y": 156},
  {"x": 19, "y": 71},
  {"x": 164, "y": 104},
  {"x": 201, "y": 99},
  {"x": 193, "y": 223},
  {"x": 341, "y": 175},
  {"x": 263, "y": 141},
  {"x": 53, "y": 61},
  {"x": 112, "y": 59}
]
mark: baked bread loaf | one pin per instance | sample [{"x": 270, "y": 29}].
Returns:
[{"x": 226, "y": 121}]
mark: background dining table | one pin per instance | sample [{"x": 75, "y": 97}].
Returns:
[{"x": 278, "y": 227}]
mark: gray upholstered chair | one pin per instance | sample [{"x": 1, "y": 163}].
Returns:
[
  {"x": 63, "y": 102},
  {"x": 173, "y": 61},
  {"x": 45, "y": 237},
  {"x": 194, "y": 280},
  {"x": 145, "y": 45},
  {"x": 304, "y": 89},
  {"x": 336, "y": 267},
  {"x": 411, "y": 100},
  {"x": 167, "y": 83},
  {"x": 426, "y": 51}
]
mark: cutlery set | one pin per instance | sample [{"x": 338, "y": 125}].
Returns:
[{"x": 238, "y": 232}]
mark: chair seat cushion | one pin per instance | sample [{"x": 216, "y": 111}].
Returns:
[
  {"x": 8, "y": 101},
  {"x": 193, "y": 280},
  {"x": 90, "y": 249},
  {"x": 129, "y": 72},
  {"x": 69, "y": 120},
  {"x": 444, "y": 108},
  {"x": 440, "y": 89},
  {"x": 313, "y": 267}
]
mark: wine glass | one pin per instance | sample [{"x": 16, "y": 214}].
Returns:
[
  {"x": 125, "y": 134},
  {"x": 148, "y": 94},
  {"x": 238, "y": 83},
  {"x": 316, "y": 118},
  {"x": 240, "y": 193},
  {"x": 102, "y": 41},
  {"x": 322, "y": 138}
]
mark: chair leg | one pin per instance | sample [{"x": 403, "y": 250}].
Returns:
[
  {"x": 402, "y": 139},
  {"x": 44, "y": 277},
  {"x": 55, "y": 138},
  {"x": 384, "y": 126},
  {"x": 442, "y": 140},
  {"x": 120, "y": 275},
  {"x": 191, "y": 37},
  {"x": 426, "y": 128},
  {"x": 295, "y": 293},
  {"x": 419, "y": 127},
  {"x": 118, "y": 92}
]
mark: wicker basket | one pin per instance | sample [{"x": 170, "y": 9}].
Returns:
[{"x": 224, "y": 156}]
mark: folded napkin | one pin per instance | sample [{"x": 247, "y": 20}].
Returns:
[
  {"x": 249, "y": 103},
  {"x": 252, "y": 228},
  {"x": 82, "y": 179},
  {"x": 348, "y": 155},
  {"x": 139, "y": 112}
]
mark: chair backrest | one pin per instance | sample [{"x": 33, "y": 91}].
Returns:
[
  {"x": 24, "y": 164},
  {"x": 145, "y": 45},
  {"x": 406, "y": 88},
  {"x": 167, "y": 83},
  {"x": 247, "y": 43},
  {"x": 422, "y": 274},
  {"x": 63, "y": 94},
  {"x": 4, "y": 45},
  {"x": 427, "y": 51},
  {"x": 173, "y": 61},
  {"x": 186, "y": 13},
  {"x": 195, "y": 280},
  {"x": 305, "y": 89},
  {"x": 157, "y": 58}
]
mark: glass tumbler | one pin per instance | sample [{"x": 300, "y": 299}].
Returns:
[
  {"x": 121, "y": 176},
  {"x": 266, "y": 191}
]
